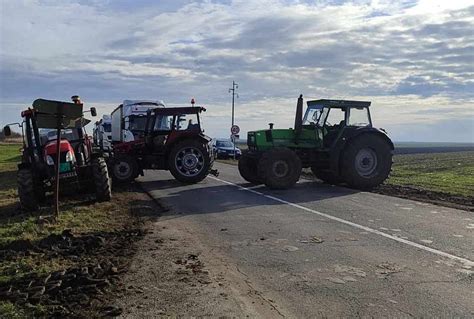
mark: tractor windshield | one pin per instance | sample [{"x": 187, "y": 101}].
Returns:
[
  {"x": 322, "y": 117},
  {"x": 47, "y": 135},
  {"x": 313, "y": 113}
]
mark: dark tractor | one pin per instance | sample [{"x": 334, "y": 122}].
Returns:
[
  {"x": 80, "y": 168},
  {"x": 173, "y": 140},
  {"x": 335, "y": 138}
]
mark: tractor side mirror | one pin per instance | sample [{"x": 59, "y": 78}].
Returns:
[
  {"x": 7, "y": 131},
  {"x": 93, "y": 111}
]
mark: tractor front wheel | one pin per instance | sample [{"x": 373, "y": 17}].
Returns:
[
  {"x": 326, "y": 176},
  {"x": 103, "y": 186},
  {"x": 190, "y": 161},
  {"x": 367, "y": 161},
  {"x": 124, "y": 169},
  {"x": 248, "y": 169},
  {"x": 279, "y": 168},
  {"x": 26, "y": 190}
]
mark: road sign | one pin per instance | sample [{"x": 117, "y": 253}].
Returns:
[{"x": 235, "y": 130}]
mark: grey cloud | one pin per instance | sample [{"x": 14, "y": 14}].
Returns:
[
  {"x": 274, "y": 41},
  {"x": 420, "y": 86},
  {"x": 127, "y": 43},
  {"x": 263, "y": 33}
]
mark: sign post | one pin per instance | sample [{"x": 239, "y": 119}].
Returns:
[
  {"x": 57, "y": 115},
  {"x": 234, "y": 130},
  {"x": 232, "y": 90}
]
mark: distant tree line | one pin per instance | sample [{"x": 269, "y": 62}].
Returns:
[{"x": 15, "y": 135}]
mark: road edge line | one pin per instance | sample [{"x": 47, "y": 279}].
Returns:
[{"x": 343, "y": 221}]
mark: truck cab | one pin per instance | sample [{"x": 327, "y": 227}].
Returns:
[
  {"x": 102, "y": 133},
  {"x": 128, "y": 120}
]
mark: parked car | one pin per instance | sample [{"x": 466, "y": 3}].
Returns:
[{"x": 224, "y": 149}]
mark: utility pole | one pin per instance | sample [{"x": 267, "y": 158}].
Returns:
[{"x": 232, "y": 90}]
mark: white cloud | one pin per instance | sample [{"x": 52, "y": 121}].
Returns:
[{"x": 408, "y": 57}]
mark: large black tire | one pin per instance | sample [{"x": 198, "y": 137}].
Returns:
[
  {"x": 367, "y": 161},
  {"x": 326, "y": 176},
  {"x": 103, "y": 185},
  {"x": 248, "y": 169},
  {"x": 26, "y": 190},
  {"x": 279, "y": 168},
  {"x": 124, "y": 169},
  {"x": 190, "y": 161}
]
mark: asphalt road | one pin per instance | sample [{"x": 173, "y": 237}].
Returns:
[{"x": 323, "y": 251}]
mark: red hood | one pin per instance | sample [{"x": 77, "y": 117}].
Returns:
[{"x": 50, "y": 147}]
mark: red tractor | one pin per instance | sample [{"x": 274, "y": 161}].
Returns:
[
  {"x": 172, "y": 140},
  {"x": 80, "y": 168}
]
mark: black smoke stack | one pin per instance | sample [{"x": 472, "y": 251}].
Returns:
[{"x": 299, "y": 116}]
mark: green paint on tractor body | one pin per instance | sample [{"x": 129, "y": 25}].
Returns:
[{"x": 267, "y": 139}]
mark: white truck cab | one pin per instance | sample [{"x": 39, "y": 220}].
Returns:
[
  {"x": 129, "y": 118},
  {"x": 102, "y": 132}
]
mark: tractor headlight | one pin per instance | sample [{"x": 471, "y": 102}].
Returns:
[
  {"x": 70, "y": 157},
  {"x": 49, "y": 160}
]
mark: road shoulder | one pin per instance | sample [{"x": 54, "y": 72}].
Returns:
[{"x": 174, "y": 274}]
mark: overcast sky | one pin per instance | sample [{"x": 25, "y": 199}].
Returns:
[{"x": 413, "y": 59}]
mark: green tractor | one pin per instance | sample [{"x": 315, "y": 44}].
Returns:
[{"x": 335, "y": 138}]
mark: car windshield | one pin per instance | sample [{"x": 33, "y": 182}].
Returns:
[{"x": 224, "y": 144}]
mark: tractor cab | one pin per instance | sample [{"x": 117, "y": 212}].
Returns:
[
  {"x": 173, "y": 122},
  {"x": 333, "y": 117},
  {"x": 40, "y": 138},
  {"x": 79, "y": 167},
  {"x": 173, "y": 140},
  {"x": 164, "y": 126}
]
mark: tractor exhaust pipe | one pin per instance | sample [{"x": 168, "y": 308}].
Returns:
[{"x": 299, "y": 117}]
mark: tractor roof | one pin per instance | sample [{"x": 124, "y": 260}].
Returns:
[
  {"x": 47, "y": 112},
  {"x": 342, "y": 104},
  {"x": 179, "y": 110}
]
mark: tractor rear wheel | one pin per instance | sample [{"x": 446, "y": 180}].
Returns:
[
  {"x": 326, "y": 176},
  {"x": 279, "y": 168},
  {"x": 124, "y": 169},
  {"x": 26, "y": 190},
  {"x": 367, "y": 161},
  {"x": 103, "y": 186},
  {"x": 190, "y": 161},
  {"x": 248, "y": 169}
]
